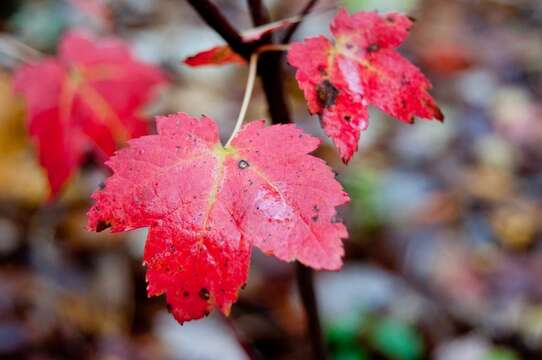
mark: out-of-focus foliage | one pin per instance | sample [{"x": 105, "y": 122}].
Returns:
[
  {"x": 21, "y": 178},
  {"x": 40, "y": 22},
  {"x": 380, "y": 5}
]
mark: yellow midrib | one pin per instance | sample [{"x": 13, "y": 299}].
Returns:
[
  {"x": 339, "y": 49},
  {"x": 77, "y": 82}
]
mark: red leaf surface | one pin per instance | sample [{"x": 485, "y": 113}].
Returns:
[
  {"x": 361, "y": 66},
  {"x": 207, "y": 205},
  {"x": 87, "y": 99},
  {"x": 223, "y": 54}
]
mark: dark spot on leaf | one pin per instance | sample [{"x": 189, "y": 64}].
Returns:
[
  {"x": 243, "y": 286},
  {"x": 315, "y": 208},
  {"x": 322, "y": 70},
  {"x": 314, "y": 218},
  {"x": 327, "y": 93},
  {"x": 204, "y": 294},
  {"x": 102, "y": 225},
  {"x": 206, "y": 313},
  {"x": 347, "y": 118},
  {"x": 243, "y": 164},
  {"x": 186, "y": 294},
  {"x": 373, "y": 48}
]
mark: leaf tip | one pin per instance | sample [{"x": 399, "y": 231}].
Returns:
[
  {"x": 439, "y": 115},
  {"x": 102, "y": 225}
]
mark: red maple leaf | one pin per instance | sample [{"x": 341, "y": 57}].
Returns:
[
  {"x": 218, "y": 55},
  {"x": 207, "y": 205},
  {"x": 223, "y": 54},
  {"x": 87, "y": 99},
  {"x": 361, "y": 66}
]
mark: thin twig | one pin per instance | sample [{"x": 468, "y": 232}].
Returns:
[
  {"x": 214, "y": 18},
  {"x": 252, "y": 67},
  {"x": 270, "y": 26},
  {"x": 293, "y": 28}
]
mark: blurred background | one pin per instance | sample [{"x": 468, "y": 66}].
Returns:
[{"x": 444, "y": 259}]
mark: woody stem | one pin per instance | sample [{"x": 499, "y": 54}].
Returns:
[{"x": 270, "y": 72}]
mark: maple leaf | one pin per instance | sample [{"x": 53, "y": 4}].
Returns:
[
  {"x": 86, "y": 99},
  {"x": 207, "y": 205},
  {"x": 361, "y": 66},
  {"x": 223, "y": 54},
  {"x": 218, "y": 55}
]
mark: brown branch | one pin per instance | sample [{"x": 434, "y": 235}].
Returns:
[
  {"x": 214, "y": 18},
  {"x": 271, "y": 75},
  {"x": 293, "y": 28},
  {"x": 260, "y": 16},
  {"x": 258, "y": 12},
  {"x": 270, "y": 72},
  {"x": 305, "y": 283}
]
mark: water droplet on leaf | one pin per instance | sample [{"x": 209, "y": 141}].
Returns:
[{"x": 243, "y": 164}]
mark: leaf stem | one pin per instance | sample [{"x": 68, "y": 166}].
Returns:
[
  {"x": 252, "y": 67},
  {"x": 252, "y": 70}
]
